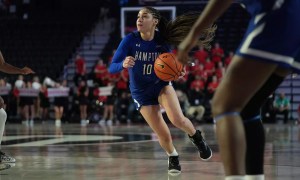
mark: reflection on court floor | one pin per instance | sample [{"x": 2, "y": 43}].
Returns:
[{"x": 129, "y": 152}]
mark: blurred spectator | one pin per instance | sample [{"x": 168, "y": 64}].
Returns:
[
  {"x": 111, "y": 56},
  {"x": 197, "y": 83},
  {"x": 220, "y": 70},
  {"x": 282, "y": 106},
  {"x": 83, "y": 97},
  {"x": 100, "y": 71},
  {"x": 193, "y": 68},
  {"x": 209, "y": 67},
  {"x": 212, "y": 86},
  {"x": 60, "y": 103},
  {"x": 122, "y": 82},
  {"x": 27, "y": 103},
  {"x": 122, "y": 107},
  {"x": 36, "y": 101},
  {"x": 201, "y": 55},
  {"x": 201, "y": 72},
  {"x": 108, "y": 114},
  {"x": 196, "y": 99},
  {"x": 49, "y": 82},
  {"x": 80, "y": 69},
  {"x": 19, "y": 83},
  {"x": 217, "y": 53},
  {"x": 103, "y": 13},
  {"x": 228, "y": 59},
  {"x": 183, "y": 101},
  {"x": 44, "y": 103}
]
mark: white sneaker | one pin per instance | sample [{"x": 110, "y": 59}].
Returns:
[
  {"x": 109, "y": 122},
  {"x": 25, "y": 122},
  {"x": 6, "y": 159},
  {"x": 84, "y": 122},
  {"x": 101, "y": 122},
  {"x": 4, "y": 166},
  {"x": 58, "y": 123},
  {"x": 31, "y": 122}
]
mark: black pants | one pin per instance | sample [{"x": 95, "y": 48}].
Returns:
[{"x": 284, "y": 112}]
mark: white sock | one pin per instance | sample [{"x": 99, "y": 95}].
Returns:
[
  {"x": 3, "y": 117},
  {"x": 235, "y": 178},
  {"x": 255, "y": 177},
  {"x": 174, "y": 153}
]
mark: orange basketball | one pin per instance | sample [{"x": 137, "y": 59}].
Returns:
[{"x": 167, "y": 68}]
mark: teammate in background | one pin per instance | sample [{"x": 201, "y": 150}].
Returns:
[
  {"x": 83, "y": 98},
  {"x": 44, "y": 103},
  {"x": 137, "y": 52},
  {"x": 60, "y": 103},
  {"x": 7, "y": 68},
  {"x": 264, "y": 58}
]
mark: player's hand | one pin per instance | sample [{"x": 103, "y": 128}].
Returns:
[
  {"x": 26, "y": 70},
  {"x": 128, "y": 62},
  {"x": 182, "y": 73}
]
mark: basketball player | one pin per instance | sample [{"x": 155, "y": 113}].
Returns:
[
  {"x": 137, "y": 52},
  {"x": 7, "y": 68},
  {"x": 264, "y": 58}
]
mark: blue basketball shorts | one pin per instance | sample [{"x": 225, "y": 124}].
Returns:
[
  {"x": 274, "y": 36},
  {"x": 149, "y": 95}
]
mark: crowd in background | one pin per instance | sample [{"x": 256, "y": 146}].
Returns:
[{"x": 85, "y": 103}]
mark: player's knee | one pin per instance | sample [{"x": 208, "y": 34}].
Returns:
[
  {"x": 217, "y": 107},
  {"x": 3, "y": 115},
  {"x": 221, "y": 107}
]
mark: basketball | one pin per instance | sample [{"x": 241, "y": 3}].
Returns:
[{"x": 167, "y": 68}]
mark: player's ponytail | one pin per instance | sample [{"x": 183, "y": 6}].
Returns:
[
  {"x": 176, "y": 30},
  {"x": 179, "y": 28}
]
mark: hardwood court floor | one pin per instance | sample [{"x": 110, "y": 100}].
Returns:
[{"x": 72, "y": 152}]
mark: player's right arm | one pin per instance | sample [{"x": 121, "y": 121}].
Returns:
[
  {"x": 120, "y": 59},
  {"x": 7, "y": 68}
]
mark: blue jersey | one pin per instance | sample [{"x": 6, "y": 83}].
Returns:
[
  {"x": 258, "y": 6},
  {"x": 141, "y": 75},
  {"x": 273, "y": 32}
]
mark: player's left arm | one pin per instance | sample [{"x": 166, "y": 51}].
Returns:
[{"x": 10, "y": 69}]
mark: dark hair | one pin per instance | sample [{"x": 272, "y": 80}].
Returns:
[{"x": 174, "y": 31}]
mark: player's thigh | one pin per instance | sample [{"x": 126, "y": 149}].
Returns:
[
  {"x": 169, "y": 100},
  {"x": 243, "y": 78}
]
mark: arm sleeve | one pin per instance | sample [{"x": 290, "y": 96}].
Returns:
[{"x": 119, "y": 56}]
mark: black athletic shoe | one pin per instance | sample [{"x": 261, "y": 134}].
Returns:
[
  {"x": 4, "y": 166},
  {"x": 174, "y": 166},
  {"x": 4, "y": 158},
  {"x": 205, "y": 152}
]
